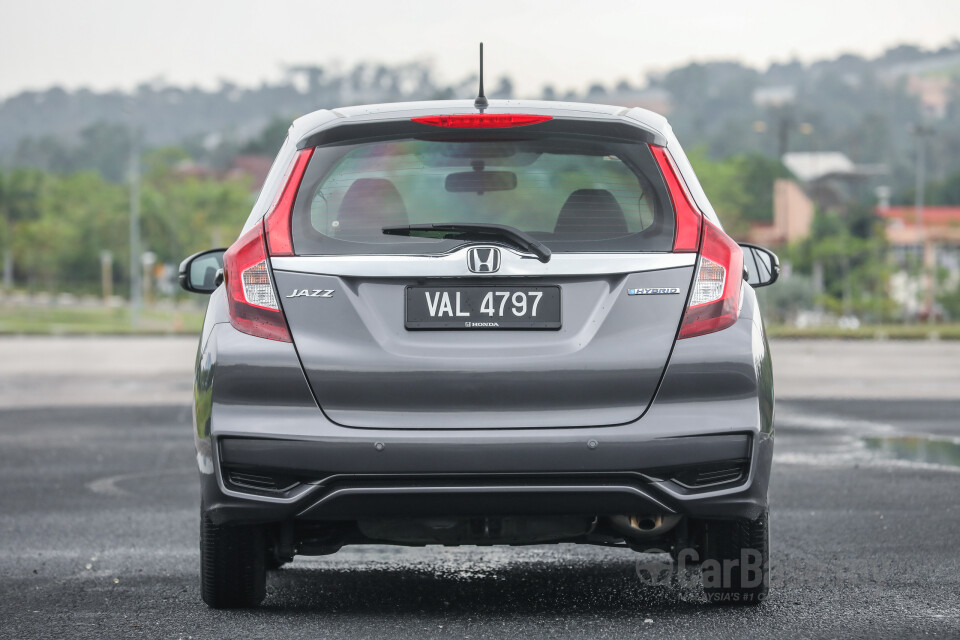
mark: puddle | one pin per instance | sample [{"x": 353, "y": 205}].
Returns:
[{"x": 939, "y": 451}]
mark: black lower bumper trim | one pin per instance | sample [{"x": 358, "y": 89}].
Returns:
[{"x": 436, "y": 454}]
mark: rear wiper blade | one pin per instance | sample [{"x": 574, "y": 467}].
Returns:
[{"x": 477, "y": 231}]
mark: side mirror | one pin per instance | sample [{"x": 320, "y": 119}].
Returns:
[
  {"x": 202, "y": 272},
  {"x": 761, "y": 266}
]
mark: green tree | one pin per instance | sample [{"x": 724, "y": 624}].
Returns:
[
  {"x": 724, "y": 186},
  {"x": 269, "y": 140},
  {"x": 757, "y": 174},
  {"x": 100, "y": 147},
  {"x": 937, "y": 192},
  {"x": 183, "y": 215},
  {"x": 20, "y": 190},
  {"x": 80, "y": 216},
  {"x": 851, "y": 250},
  {"x": 57, "y": 226}
]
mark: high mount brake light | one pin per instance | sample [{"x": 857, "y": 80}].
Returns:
[
  {"x": 482, "y": 120},
  {"x": 715, "y": 300},
  {"x": 251, "y": 298},
  {"x": 277, "y": 220}
]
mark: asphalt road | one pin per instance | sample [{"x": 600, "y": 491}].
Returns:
[{"x": 99, "y": 529}]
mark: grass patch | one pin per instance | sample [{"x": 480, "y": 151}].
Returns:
[
  {"x": 96, "y": 321},
  {"x": 871, "y": 332}
]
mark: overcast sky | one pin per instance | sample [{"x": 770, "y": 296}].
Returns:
[{"x": 105, "y": 44}]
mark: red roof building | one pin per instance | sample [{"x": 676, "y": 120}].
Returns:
[
  {"x": 254, "y": 166},
  {"x": 941, "y": 225}
]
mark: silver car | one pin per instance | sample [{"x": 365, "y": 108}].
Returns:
[{"x": 519, "y": 324}]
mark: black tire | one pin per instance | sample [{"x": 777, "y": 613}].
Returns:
[
  {"x": 232, "y": 568},
  {"x": 736, "y": 567}
]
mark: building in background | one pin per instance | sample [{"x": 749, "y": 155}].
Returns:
[
  {"x": 831, "y": 179},
  {"x": 822, "y": 181},
  {"x": 930, "y": 80},
  {"x": 254, "y": 167},
  {"x": 922, "y": 250},
  {"x": 793, "y": 213},
  {"x": 933, "y": 93}
]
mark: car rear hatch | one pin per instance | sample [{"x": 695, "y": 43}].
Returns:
[{"x": 470, "y": 327}]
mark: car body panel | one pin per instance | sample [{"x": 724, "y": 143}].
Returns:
[{"x": 600, "y": 368}]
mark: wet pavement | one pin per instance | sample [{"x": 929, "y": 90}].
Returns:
[{"x": 99, "y": 529}]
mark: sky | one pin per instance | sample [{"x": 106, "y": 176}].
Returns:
[{"x": 117, "y": 44}]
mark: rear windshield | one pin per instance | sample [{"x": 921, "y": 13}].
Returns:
[{"x": 575, "y": 194}]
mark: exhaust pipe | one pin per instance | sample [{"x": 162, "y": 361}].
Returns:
[{"x": 644, "y": 525}]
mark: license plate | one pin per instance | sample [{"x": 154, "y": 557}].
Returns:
[{"x": 478, "y": 307}]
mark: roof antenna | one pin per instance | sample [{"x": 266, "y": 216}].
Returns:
[{"x": 481, "y": 102}]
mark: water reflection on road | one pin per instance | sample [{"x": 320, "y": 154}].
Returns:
[{"x": 942, "y": 451}]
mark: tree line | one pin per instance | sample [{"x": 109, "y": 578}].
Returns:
[{"x": 54, "y": 227}]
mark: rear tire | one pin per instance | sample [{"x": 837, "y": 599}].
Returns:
[
  {"x": 736, "y": 567},
  {"x": 232, "y": 569}
]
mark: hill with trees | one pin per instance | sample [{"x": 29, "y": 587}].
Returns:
[{"x": 858, "y": 106}]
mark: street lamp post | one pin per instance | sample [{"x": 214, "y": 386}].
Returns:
[
  {"x": 920, "y": 132},
  {"x": 135, "y": 291}
]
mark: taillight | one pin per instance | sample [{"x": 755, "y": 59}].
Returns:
[
  {"x": 715, "y": 300},
  {"x": 251, "y": 298},
  {"x": 686, "y": 237},
  {"x": 482, "y": 120},
  {"x": 277, "y": 220}
]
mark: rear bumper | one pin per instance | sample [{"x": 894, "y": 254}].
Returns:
[
  {"x": 350, "y": 481},
  {"x": 714, "y": 406}
]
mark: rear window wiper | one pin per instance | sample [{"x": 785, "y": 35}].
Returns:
[{"x": 476, "y": 231}]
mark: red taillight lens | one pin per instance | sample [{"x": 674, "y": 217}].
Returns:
[
  {"x": 686, "y": 238},
  {"x": 482, "y": 120},
  {"x": 715, "y": 299},
  {"x": 277, "y": 220},
  {"x": 251, "y": 298}
]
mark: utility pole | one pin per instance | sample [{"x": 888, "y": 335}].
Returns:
[
  {"x": 136, "y": 295},
  {"x": 7, "y": 268},
  {"x": 920, "y": 132},
  {"x": 7, "y": 253},
  {"x": 106, "y": 276},
  {"x": 149, "y": 259},
  {"x": 785, "y": 124}
]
